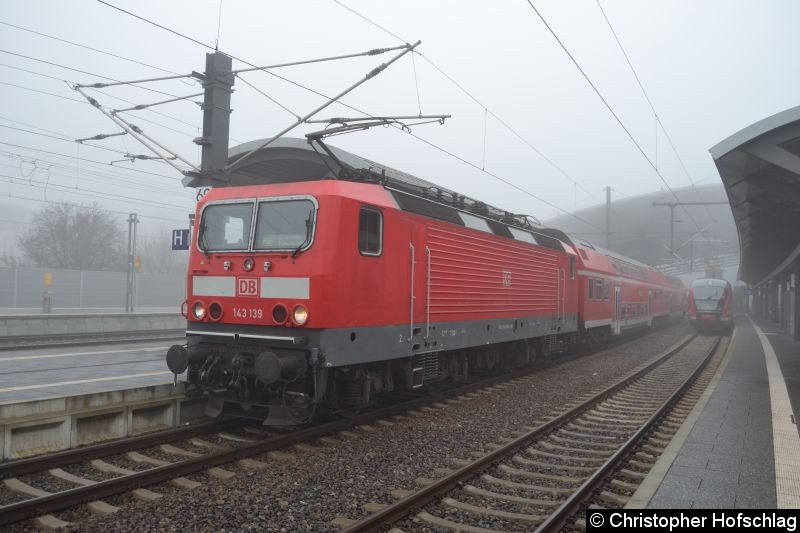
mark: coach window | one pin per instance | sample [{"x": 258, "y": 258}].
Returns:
[
  {"x": 606, "y": 288},
  {"x": 598, "y": 289},
  {"x": 591, "y": 288},
  {"x": 370, "y": 231},
  {"x": 572, "y": 267}
]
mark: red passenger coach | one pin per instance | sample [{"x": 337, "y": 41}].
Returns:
[
  {"x": 320, "y": 293},
  {"x": 617, "y": 293}
]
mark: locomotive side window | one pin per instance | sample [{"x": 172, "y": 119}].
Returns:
[
  {"x": 522, "y": 235},
  {"x": 370, "y": 231},
  {"x": 591, "y": 288},
  {"x": 226, "y": 227},
  {"x": 478, "y": 223},
  {"x": 284, "y": 225}
]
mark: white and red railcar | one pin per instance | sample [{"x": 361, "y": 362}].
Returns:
[
  {"x": 329, "y": 291},
  {"x": 711, "y": 305}
]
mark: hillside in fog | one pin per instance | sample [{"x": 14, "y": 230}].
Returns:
[{"x": 641, "y": 230}]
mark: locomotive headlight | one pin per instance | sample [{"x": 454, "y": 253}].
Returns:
[
  {"x": 300, "y": 315},
  {"x": 215, "y": 311},
  {"x": 248, "y": 264},
  {"x": 199, "y": 310}
]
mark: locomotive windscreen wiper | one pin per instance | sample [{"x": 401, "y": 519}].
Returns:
[
  {"x": 308, "y": 236},
  {"x": 201, "y": 239}
]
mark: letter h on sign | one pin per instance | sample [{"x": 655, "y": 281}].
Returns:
[{"x": 180, "y": 239}]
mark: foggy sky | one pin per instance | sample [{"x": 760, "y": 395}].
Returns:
[{"x": 710, "y": 68}]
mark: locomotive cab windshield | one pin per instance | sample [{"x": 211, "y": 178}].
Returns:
[
  {"x": 710, "y": 303},
  {"x": 709, "y": 297},
  {"x": 225, "y": 227},
  {"x": 284, "y": 224},
  {"x": 281, "y": 224}
]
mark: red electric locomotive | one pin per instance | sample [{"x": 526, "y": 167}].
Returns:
[{"x": 324, "y": 292}]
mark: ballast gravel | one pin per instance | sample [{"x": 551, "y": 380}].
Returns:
[{"x": 337, "y": 480}]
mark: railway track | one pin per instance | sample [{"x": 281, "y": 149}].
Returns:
[
  {"x": 545, "y": 475},
  {"x": 171, "y": 455},
  {"x": 119, "y": 469}
]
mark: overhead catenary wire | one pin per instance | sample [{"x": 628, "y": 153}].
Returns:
[
  {"x": 83, "y": 159},
  {"x": 219, "y": 25},
  {"x": 416, "y": 83},
  {"x": 268, "y": 97},
  {"x": 30, "y": 89},
  {"x": 60, "y": 138},
  {"x": 611, "y": 110},
  {"x": 42, "y": 92},
  {"x": 83, "y": 102},
  {"x": 313, "y": 91},
  {"x": 81, "y": 206},
  {"x": 254, "y": 67},
  {"x": 88, "y": 176},
  {"x": 139, "y": 107},
  {"x": 371, "y": 74},
  {"x": 195, "y": 127},
  {"x": 372, "y": 52},
  {"x": 87, "y": 172},
  {"x": 104, "y": 52},
  {"x": 51, "y": 63},
  {"x": 91, "y": 169},
  {"x": 644, "y": 92},
  {"x": 139, "y": 135},
  {"x": 91, "y": 193},
  {"x": 483, "y": 106}
]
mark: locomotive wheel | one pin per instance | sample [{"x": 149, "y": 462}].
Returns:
[
  {"x": 522, "y": 353},
  {"x": 356, "y": 391},
  {"x": 457, "y": 366},
  {"x": 533, "y": 353}
]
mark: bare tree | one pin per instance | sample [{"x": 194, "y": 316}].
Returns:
[
  {"x": 10, "y": 258},
  {"x": 158, "y": 257},
  {"x": 73, "y": 237}
]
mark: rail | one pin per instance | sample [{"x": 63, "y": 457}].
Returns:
[
  {"x": 401, "y": 508},
  {"x": 62, "y": 500}
]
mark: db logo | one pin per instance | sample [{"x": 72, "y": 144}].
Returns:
[{"x": 247, "y": 287}]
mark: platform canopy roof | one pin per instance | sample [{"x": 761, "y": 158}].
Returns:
[{"x": 760, "y": 168}]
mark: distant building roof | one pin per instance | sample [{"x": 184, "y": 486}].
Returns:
[{"x": 760, "y": 168}]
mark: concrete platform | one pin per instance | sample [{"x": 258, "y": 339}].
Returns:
[
  {"x": 740, "y": 446},
  {"x": 57, "y": 398},
  {"x": 36, "y": 374},
  {"x": 72, "y": 324}
]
